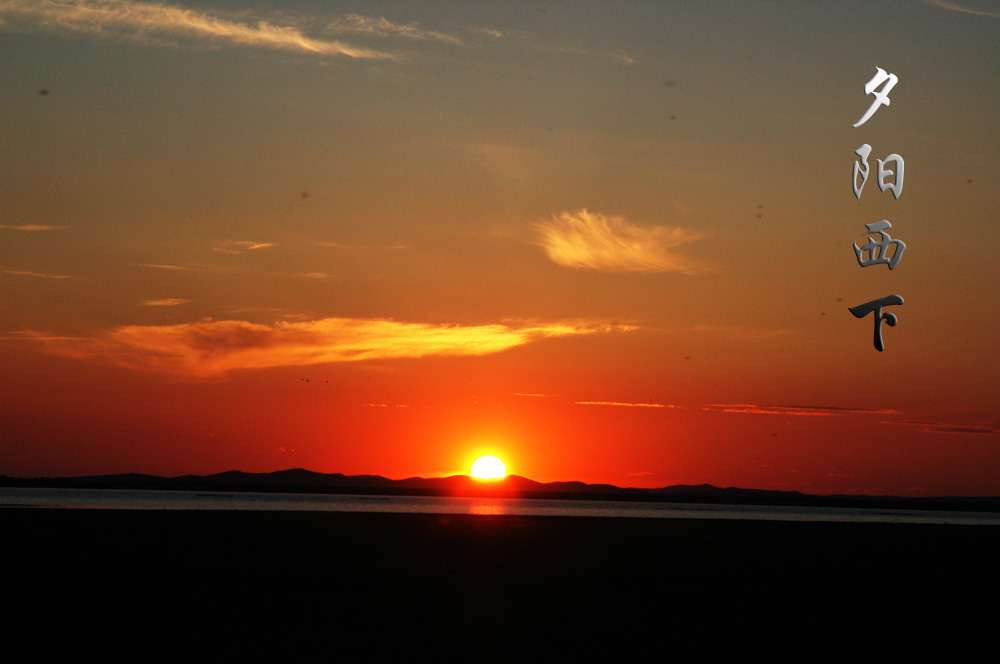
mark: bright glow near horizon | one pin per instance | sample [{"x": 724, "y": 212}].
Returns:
[{"x": 488, "y": 468}]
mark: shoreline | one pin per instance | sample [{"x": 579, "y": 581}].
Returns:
[{"x": 681, "y": 495}]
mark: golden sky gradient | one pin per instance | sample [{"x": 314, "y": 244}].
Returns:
[{"x": 608, "y": 242}]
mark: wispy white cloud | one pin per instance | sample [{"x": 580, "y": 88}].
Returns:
[
  {"x": 30, "y": 227},
  {"x": 489, "y": 32},
  {"x": 382, "y": 27},
  {"x": 240, "y": 246},
  {"x": 584, "y": 239},
  {"x": 154, "y": 22},
  {"x": 25, "y": 273},
  {"x": 166, "y": 302},
  {"x": 958, "y": 8},
  {"x": 213, "y": 348}
]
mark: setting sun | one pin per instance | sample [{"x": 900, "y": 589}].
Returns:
[{"x": 488, "y": 468}]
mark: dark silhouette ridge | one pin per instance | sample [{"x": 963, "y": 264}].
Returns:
[{"x": 299, "y": 480}]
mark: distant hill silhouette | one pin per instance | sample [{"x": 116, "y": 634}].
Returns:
[{"x": 299, "y": 480}]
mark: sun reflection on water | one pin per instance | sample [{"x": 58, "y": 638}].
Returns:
[{"x": 487, "y": 507}]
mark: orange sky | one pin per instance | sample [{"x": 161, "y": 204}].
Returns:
[{"x": 608, "y": 244}]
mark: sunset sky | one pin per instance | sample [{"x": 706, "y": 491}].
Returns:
[{"x": 607, "y": 242}]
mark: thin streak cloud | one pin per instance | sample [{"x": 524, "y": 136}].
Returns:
[
  {"x": 623, "y": 404},
  {"x": 383, "y": 27},
  {"x": 160, "y": 267},
  {"x": 949, "y": 427},
  {"x": 489, "y": 32},
  {"x": 151, "y": 22},
  {"x": 25, "y": 273},
  {"x": 240, "y": 246},
  {"x": 211, "y": 349},
  {"x": 29, "y": 335},
  {"x": 590, "y": 240},
  {"x": 940, "y": 4},
  {"x": 806, "y": 411},
  {"x": 360, "y": 247},
  {"x": 621, "y": 59},
  {"x": 166, "y": 302},
  {"x": 30, "y": 228}
]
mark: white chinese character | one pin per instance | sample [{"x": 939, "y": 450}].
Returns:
[{"x": 881, "y": 97}]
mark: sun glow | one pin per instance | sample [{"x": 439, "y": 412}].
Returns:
[{"x": 488, "y": 468}]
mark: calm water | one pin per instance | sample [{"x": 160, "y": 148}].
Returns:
[{"x": 189, "y": 500}]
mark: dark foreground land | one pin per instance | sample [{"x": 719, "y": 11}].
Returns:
[{"x": 129, "y": 585}]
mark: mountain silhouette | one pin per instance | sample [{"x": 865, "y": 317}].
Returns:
[{"x": 300, "y": 480}]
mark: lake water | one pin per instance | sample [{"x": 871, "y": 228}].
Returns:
[{"x": 190, "y": 500}]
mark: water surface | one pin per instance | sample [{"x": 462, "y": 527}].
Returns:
[{"x": 191, "y": 500}]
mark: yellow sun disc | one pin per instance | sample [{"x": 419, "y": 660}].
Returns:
[{"x": 488, "y": 468}]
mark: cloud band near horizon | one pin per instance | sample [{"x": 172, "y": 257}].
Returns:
[{"x": 211, "y": 349}]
